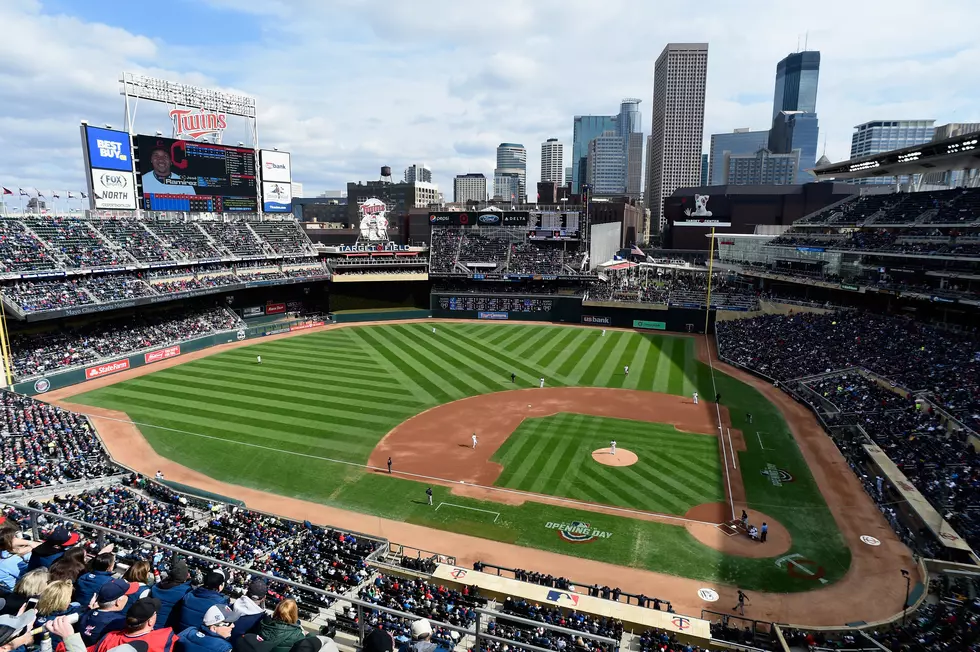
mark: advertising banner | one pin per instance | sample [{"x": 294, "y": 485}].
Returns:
[
  {"x": 113, "y": 189},
  {"x": 108, "y": 149},
  {"x": 106, "y": 369},
  {"x": 592, "y": 319},
  {"x": 650, "y": 325},
  {"x": 277, "y": 197},
  {"x": 514, "y": 218},
  {"x": 491, "y": 315},
  {"x": 305, "y": 325},
  {"x": 275, "y": 166},
  {"x": 253, "y": 311},
  {"x": 182, "y": 175},
  {"x": 162, "y": 354},
  {"x": 275, "y": 308}
]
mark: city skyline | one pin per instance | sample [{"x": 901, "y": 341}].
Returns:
[{"x": 478, "y": 90}]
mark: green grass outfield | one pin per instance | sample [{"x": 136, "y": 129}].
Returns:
[
  {"x": 325, "y": 397},
  {"x": 676, "y": 470}
]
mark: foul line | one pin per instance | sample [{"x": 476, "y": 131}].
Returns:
[
  {"x": 761, "y": 445},
  {"x": 475, "y": 509},
  {"x": 405, "y": 474},
  {"x": 728, "y": 476},
  {"x": 731, "y": 447}
]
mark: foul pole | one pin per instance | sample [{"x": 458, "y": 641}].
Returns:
[{"x": 711, "y": 261}]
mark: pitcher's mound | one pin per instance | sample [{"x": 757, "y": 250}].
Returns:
[{"x": 622, "y": 457}]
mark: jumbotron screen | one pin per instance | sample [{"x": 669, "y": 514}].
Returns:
[{"x": 184, "y": 175}]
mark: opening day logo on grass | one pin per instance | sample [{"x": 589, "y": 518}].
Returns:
[
  {"x": 777, "y": 476},
  {"x": 577, "y": 532}
]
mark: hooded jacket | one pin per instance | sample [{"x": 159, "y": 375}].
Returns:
[
  {"x": 193, "y": 606},
  {"x": 201, "y": 639},
  {"x": 169, "y": 594},
  {"x": 250, "y": 614},
  {"x": 88, "y": 584}
]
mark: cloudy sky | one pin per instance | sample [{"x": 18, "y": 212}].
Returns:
[{"x": 350, "y": 85}]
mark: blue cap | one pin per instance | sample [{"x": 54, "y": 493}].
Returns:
[{"x": 112, "y": 590}]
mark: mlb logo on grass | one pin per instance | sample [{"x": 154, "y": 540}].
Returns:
[{"x": 563, "y": 597}]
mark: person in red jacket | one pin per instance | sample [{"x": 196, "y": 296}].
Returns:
[{"x": 140, "y": 620}]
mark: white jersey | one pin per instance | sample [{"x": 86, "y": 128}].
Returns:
[{"x": 541, "y": 383}]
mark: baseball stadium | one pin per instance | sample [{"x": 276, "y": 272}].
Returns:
[{"x": 509, "y": 421}]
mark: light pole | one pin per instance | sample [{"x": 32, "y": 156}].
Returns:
[{"x": 908, "y": 585}]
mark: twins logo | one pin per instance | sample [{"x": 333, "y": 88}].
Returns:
[
  {"x": 680, "y": 623},
  {"x": 563, "y": 597}
]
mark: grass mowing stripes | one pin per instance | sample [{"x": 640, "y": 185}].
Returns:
[{"x": 333, "y": 395}]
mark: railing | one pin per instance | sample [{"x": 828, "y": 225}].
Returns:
[{"x": 418, "y": 553}]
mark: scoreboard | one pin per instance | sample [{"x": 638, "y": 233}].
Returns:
[
  {"x": 181, "y": 175},
  {"x": 495, "y": 304},
  {"x": 552, "y": 225}
]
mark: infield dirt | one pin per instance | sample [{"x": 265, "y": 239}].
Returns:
[{"x": 871, "y": 590}]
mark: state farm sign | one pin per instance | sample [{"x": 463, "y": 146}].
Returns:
[
  {"x": 106, "y": 369},
  {"x": 162, "y": 354}
]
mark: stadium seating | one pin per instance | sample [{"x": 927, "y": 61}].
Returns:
[
  {"x": 40, "y": 353},
  {"x": 237, "y": 238},
  {"x": 135, "y": 238},
  {"x": 676, "y": 288},
  {"x": 75, "y": 243},
  {"x": 495, "y": 250},
  {"x": 20, "y": 250},
  {"x": 284, "y": 237},
  {"x": 185, "y": 238}
]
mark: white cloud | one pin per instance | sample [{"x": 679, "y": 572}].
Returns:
[{"x": 350, "y": 85}]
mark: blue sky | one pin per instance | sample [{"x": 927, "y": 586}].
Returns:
[{"x": 350, "y": 85}]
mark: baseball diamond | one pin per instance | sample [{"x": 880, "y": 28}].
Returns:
[{"x": 306, "y": 421}]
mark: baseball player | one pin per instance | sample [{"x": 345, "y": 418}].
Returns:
[
  {"x": 474, "y": 440},
  {"x": 513, "y": 377},
  {"x": 626, "y": 370},
  {"x": 258, "y": 359},
  {"x": 541, "y": 383},
  {"x": 612, "y": 447},
  {"x": 433, "y": 329},
  {"x": 695, "y": 398},
  {"x": 603, "y": 332},
  {"x": 428, "y": 492}
]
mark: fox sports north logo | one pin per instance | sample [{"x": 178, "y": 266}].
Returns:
[{"x": 113, "y": 180}]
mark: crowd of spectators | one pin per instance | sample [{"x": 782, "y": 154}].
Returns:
[
  {"x": 534, "y": 258},
  {"x": 284, "y": 236},
  {"x": 486, "y": 250},
  {"x": 39, "y": 353},
  {"x": 41, "y": 445},
  {"x": 20, "y": 250},
  {"x": 237, "y": 237},
  {"x": 75, "y": 242},
  {"x": 134, "y": 237},
  {"x": 677, "y": 288},
  {"x": 425, "y": 599},
  {"x": 39, "y": 295}
]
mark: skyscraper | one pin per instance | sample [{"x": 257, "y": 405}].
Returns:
[
  {"x": 796, "y": 130},
  {"x": 737, "y": 143},
  {"x": 630, "y": 129},
  {"x": 885, "y": 135},
  {"x": 761, "y": 168},
  {"x": 606, "y": 164},
  {"x": 568, "y": 175},
  {"x": 470, "y": 187},
  {"x": 511, "y": 163},
  {"x": 418, "y": 172},
  {"x": 585, "y": 128},
  {"x": 552, "y": 161},
  {"x": 796, "y": 83},
  {"x": 679, "y": 80},
  {"x": 704, "y": 169}
]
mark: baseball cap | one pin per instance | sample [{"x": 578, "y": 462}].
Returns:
[
  {"x": 421, "y": 628},
  {"x": 179, "y": 572},
  {"x": 257, "y": 589},
  {"x": 112, "y": 590},
  {"x": 143, "y": 609},
  {"x": 60, "y": 536},
  {"x": 219, "y": 613},
  {"x": 13, "y": 626},
  {"x": 378, "y": 641}
]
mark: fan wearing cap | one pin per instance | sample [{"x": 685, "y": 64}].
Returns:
[
  {"x": 139, "y": 631},
  {"x": 213, "y": 634},
  {"x": 250, "y": 608},
  {"x": 421, "y": 635},
  {"x": 100, "y": 572},
  {"x": 108, "y": 615},
  {"x": 193, "y": 606},
  {"x": 170, "y": 591},
  {"x": 52, "y": 548},
  {"x": 15, "y": 631}
]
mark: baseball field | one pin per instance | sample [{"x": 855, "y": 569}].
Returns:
[{"x": 322, "y": 413}]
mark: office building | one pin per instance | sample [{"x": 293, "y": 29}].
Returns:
[
  {"x": 606, "y": 165},
  {"x": 737, "y": 143},
  {"x": 296, "y": 188},
  {"x": 677, "y": 128},
  {"x": 885, "y": 135},
  {"x": 761, "y": 168},
  {"x": 796, "y": 130},
  {"x": 704, "y": 169},
  {"x": 511, "y": 163},
  {"x": 568, "y": 175},
  {"x": 469, "y": 187},
  {"x": 586, "y": 128},
  {"x": 630, "y": 128},
  {"x": 552, "y": 160},
  {"x": 418, "y": 172},
  {"x": 796, "y": 83}
]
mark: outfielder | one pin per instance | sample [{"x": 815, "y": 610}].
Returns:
[
  {"x": 603, "y": 332},
  {"x": 541, "y": 384},
  {"x": 258, "y": 359},
  {"x": 695, "y": 398},
  {"x": 626, "y": 370},
  {"x": 612, "y": 447},
  {"x": 474, "y": 440},
  {"x": 433, "y": 329}
]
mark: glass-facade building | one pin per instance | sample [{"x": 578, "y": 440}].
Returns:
[
  {"x": 792, "y": 130},
  {"x": 585, "y": 129},
  {"x": 739, "y": 142},
  {"x": 796, "y": 83},
  {"x": 511, "y": 162},
  {"x": 762, "y": 168},
  {"x": 606, "y": 164},
  {"x": 885, "y": 135}
]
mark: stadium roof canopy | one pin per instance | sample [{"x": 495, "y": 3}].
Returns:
[{"x": 957, "y": 153}]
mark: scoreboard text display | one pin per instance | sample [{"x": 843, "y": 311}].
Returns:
[
  {"x": 496, "y": 304},
  {"x": 183, "y": 175}
]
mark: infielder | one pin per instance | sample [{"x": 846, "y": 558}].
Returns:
[
  {"x": 612, "y": 447},
  {"x": 258, "y": 359},
  {"x": 474, "y": 440},
  {"x": 541, "y": 383},
  {"x": 695, "y": 398}
]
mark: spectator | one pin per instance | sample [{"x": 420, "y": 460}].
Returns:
[
  {"x": 100, "y": 572},
  {"x": 213, "y": 634},
  {"x": 194, "y": 604},
  {"x": 53, "y": 547},
  {"x": 282, "y": 629},
  {"x": 109, "y": 613},
  {"x": 55, "y": 601},
  {"x": 140, "y": 628},
  {"x": 69, "y": 566},
  {"x": 14, "y": 555},
  {"x": 250, "y": 608},
  {"x": 27, "y": 591}
]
